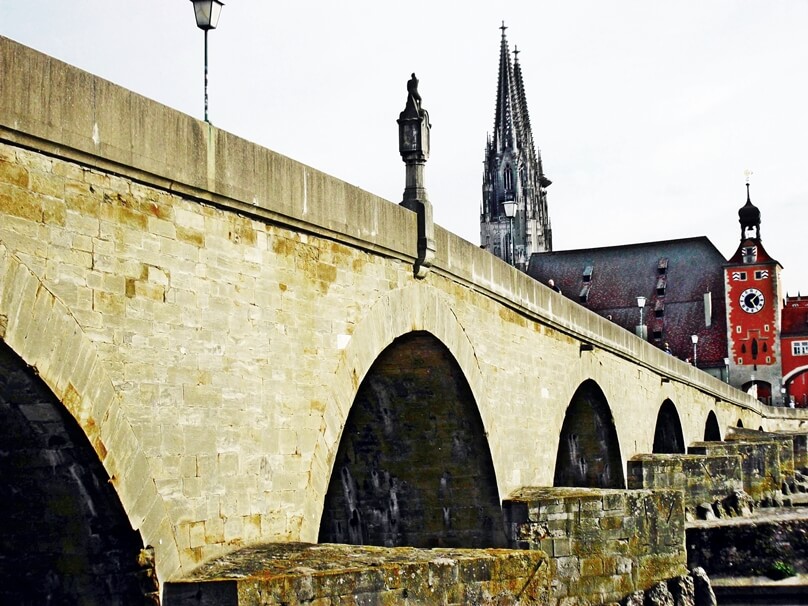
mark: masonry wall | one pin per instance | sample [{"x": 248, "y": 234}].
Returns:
[
  {"x": 702, "y": 479},
  {"x": 603, "y": 544},
  {"x": 206, "y": 310}
]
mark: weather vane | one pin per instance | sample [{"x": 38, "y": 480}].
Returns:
[{"x": 747, "y": 173}]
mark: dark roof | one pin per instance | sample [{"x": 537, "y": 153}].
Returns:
[
  {"x": 761, "y": 255},
  {"x": 673, "y": 275}
]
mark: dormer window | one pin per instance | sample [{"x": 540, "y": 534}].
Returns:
[
  {"x": 587, "y": 275},
  {"x": 583, "y": 296},
  {"x": 659, "y": 309},
  {"x": 662, "y": 266},
  {"x": 749, "y": 254},
  {"x": 661, "y": 284}
]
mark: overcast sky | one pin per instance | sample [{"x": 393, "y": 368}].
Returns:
[{"x": 647, "y": 113}]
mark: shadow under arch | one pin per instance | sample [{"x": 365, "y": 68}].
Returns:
[
  {"x": 47, "y": 339},
  {"x": 416, "y": 307},
  {"x": 712, "y": 432},
  {"x": 588, "y": 449},
  {"x": 63, "y": 524},
  {"x": 413, "y": 466},
  {"x": 668, "y": 437}
]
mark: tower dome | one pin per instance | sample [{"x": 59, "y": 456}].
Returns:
[{"x": 749, "y": 217}]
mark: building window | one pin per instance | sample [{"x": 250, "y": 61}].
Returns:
[
  {"x": 768, "y": 360},
  {"x": 660, "y": 286},
  {"x": 587, "y": 276},
  {"x": 738, "y": 329},
  {"x": 743, "y": 348},
  {"x": 662, "y": 266},
  {"x": 738, "y": 276},
  {"x": 799, "y": 348},
  {"x": 761, "y": 274},
  {"x": 740, "y": 361},
  {"x": 765, "y": 328}
]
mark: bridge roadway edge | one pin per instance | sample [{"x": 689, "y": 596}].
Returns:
[{"x": 358, "y": 219}]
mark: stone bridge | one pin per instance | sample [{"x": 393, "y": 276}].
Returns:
[{"x": 213, "y": 346}]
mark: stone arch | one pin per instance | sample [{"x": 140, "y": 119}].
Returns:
[
  {"x": 62, "y": 520},
  {"x": 415, "y": 308},
  {"x": 668, "y": 437},
  {"x": 739, "y": 423},
  {"x": 413, "y": 466},
  {"x": 39, "y": 329},
  {"x": 712, "y": 431},
  {"x": 588, "y": 448}
]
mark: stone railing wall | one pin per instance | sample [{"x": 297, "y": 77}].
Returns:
[
  {"x": 603, "y": 544},
  {"x": 709, "y": 483}
]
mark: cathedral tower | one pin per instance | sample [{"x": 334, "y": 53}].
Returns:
[
  {"x": 753, "y": 298},
  {"x": 514, "y": 222}
]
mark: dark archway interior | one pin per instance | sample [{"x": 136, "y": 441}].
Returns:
[
  {"x": 712, "y": 433},
  {"x": 668, "y": 438},
  {"x": 413, "y": 467},
  {"x": 739, "y": 423},
  {"x": 588, "y": 449},
  {"x": 65, "y": 537}
]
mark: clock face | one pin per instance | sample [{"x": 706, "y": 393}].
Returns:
[{"x": 752, "y": 300}]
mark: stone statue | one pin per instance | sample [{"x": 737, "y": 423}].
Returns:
[{"x": 414, "y": 96}]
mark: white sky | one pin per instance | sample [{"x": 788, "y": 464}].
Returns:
[{"x": 647, "y": 113}]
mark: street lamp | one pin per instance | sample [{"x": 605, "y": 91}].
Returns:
[
  {"x": 726, "y": 365},
  {"x": 695, "y": 340},
  {"x": 641, "y": 328},
  {"x": 207, "y": 18},
  {"x": 510, "y": 211}
]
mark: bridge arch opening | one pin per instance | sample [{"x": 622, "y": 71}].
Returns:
[
  {"x": 66, "y": 537},
  {"x": 588, "y": 449},
  {"x": 739, "y": 423},
  {"x": 712, "y": 432},
  {"x": 668, "y": 437},
  {"x": 413, "y": 467}
]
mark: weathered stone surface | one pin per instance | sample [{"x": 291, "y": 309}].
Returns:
[
  {"x": 705, "y": 480},
  {"x": 760, "y": 463},
  {"x": 328, "y": 574},
  {"x": 620, "y": 541}
]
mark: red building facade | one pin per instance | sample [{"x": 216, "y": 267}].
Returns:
[{"x": 794, "y": 342}]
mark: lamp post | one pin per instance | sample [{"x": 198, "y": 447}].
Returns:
[
  {"x": 510, "y": 211},
  {"x": 207, "y": 18},
  {"x": 641, "y": 328},
  {"x": 695, "y": 341},
  {"x": 726, "y": 365}
]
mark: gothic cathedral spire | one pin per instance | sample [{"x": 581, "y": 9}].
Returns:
[{"x": 514, "y": 222}]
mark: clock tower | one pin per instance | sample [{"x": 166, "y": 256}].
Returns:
[{"x": 753, "y": 302}]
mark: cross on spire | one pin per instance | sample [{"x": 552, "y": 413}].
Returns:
[{"x": 503, "y": 27}]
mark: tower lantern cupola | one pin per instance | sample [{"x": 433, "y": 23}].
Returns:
[{"x": 749, "y": 217}]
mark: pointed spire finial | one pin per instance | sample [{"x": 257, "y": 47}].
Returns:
[{"x": 503, "y": 27}]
